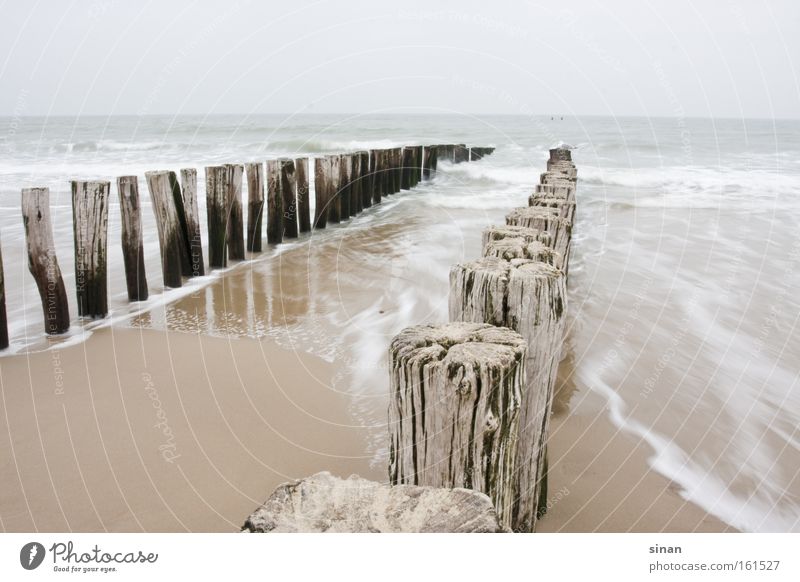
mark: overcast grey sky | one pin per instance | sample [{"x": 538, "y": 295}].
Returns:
[{"x": 677, "y": 57}]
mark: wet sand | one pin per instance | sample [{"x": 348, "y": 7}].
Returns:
[
  {"x": 148, "y": 430},
  {"x": 600, "y": 482},
  {"x": 141, "y": 430}
]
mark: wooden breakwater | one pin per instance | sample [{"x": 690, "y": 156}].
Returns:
[
  {"x": 279, "y": 202},
  {"x": 466, "y": 410}
]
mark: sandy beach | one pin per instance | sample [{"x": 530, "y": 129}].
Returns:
[{"x": 147, "y": 429}]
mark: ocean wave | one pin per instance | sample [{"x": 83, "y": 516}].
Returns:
[
  {"x": 477, "y": 174},
  {"x": 693, "y": 179}
]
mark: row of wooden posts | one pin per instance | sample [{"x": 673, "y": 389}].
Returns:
[
  {"x": 471, "y": 399},
  {"x": 345, "y": 184}
]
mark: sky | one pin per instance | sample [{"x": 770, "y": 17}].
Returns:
[{"x": 640, "y": 58}]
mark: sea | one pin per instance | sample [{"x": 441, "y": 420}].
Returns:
[{"x": 684, "y": 281}]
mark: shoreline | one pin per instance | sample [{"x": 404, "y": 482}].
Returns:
[
  {"x": 600, "y": 482},
  {"x": 101, "y": 455}
]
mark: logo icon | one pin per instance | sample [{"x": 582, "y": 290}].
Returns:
[{"x": 31, "y": 555}]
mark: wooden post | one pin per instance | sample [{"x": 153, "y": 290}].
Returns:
[
  {"x": 434, "y": 160},
  {"x": 175, "y": 259},
  {"x": 192, "y": 214},
  {"x": 255, "y": 205},
  {"x": 3, "y": 318},
  {"x": 418, "y": 153},
  {"x": 289, "y": 195},
  {"x": 529, "y": 297},
  {"x": 376, "y": 159},
  {"x": 344, "y": 186},
  {"x": 547, "y": 219},
  {"x": 408, "y": 168},
  {"x": 454, "y": 406},
  {"x": 334, "y": 197},
  {"x": 460, "y": 153},
  {"x": 565, "y": 207},
  {"x": 356, "y": 204},
  {"x": 427, "y": 159},
  {"x": 235, "y": 219},
  {"x": 90, "y": 234},
  {"x": 42, "y": 261},
  {"x": 365, "y": 179},
  {"x": 132, "y": 240},
  {"x": 303, "y": 203},
  {"x": 321, "y": 189},
  {"x": 394, "y": 164},
  {"x": 564, "y": 189},
  {"x": 274, "y": 203},
  {"x": 217, "y": 188},
  {"x": 560, "y": 154}
]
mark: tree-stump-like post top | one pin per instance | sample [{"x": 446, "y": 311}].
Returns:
[{"x": 454, "y": 408}]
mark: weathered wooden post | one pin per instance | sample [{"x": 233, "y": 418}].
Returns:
[
  {"x": 303, "y": 204},
  {"x": 460, "y": 153},
  {"x": 344, "y": 186},
  {"x": 547, "y": 219},
  {"x": 396, "y": 173},
  {"x": 408, "y": 168},
  {"x": 217, "y": 188},
  {"x": 565, "y": 208},
  {"x": 289, "y": 195},
  {"x": 427, "y": 161},
  {"x": 192, "y": 214},
  {"x": 166, "y": 199},
  {"x": 132, "y": 240},
  {"x": 454, "y": 406},
  {"x": 418, "y": 153},
  {"x": 366, "y": 180},
  {"x": 235, "y": 215},
  {"x": 42, "y": 261},
  {"x": 376, "y": 184},
  {"x": 335, "y": 198},
  {"x": 560, "y": 154},
  {"x": 274, "y": 203},
  {"x": 530, "y": 297},
  {"x": 3, "y": 318},
  {"x": 528, "y": 235},
  {"x": 356, "y": 204},
  {"x": 90, "y": 234},
  {"x": 321, "y": 190},
  {"x": 255, "y": 205}
]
